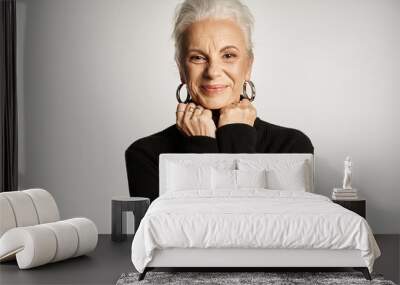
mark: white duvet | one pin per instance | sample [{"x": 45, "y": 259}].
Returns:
[{"x": 251, "y": 218}]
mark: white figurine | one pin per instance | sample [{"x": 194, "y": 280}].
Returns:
[{"x": 347, "y": 173}]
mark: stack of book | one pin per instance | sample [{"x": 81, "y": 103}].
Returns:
[{"x": 344, "y": 194}]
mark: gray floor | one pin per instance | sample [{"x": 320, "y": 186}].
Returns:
[{"x": 110, "y": 259}]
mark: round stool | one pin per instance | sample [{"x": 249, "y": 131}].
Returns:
[{"x": 121, "y": 204}]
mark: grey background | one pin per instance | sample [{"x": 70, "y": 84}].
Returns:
[{"x": 95, "y": 75}]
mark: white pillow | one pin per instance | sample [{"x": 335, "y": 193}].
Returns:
[
  {"x": 251, "y": 178},
  {"x": 222, "y": 164},
  {"x": 183, "y": 177},
  {"x": 281, "y": 174},
  {"x": 293, "y": 178},
  {"x": 223, "y": 179},
  {"x": 229, "y": 179}
]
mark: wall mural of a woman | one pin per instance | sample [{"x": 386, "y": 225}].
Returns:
[{"x": 214, "y": 56}]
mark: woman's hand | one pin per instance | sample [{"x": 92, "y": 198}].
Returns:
[
  {"x": 194, "y": 120},
  {"x": 240, "y": 112}
]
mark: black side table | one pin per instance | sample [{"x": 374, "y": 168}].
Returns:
[
  {"x": 358, "y": 206},
  {"x": 121, "y": 204}
]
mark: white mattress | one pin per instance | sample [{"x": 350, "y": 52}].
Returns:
[{"x": 252, "y": 218}]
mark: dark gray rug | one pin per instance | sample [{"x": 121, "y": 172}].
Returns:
[{"x": 270, "y": 278}]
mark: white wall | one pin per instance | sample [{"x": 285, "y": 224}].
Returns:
[{"x": 95, "y": 75}]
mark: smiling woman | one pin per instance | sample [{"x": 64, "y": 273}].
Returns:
[{"x": 214, "y": 57}]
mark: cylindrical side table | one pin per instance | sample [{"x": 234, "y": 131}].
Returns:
[{"x": 121, "y": 204}]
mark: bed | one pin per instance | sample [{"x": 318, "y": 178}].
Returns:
[{"x": 244, "y": 211}]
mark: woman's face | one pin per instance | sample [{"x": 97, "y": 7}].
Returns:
[{"x": 215, "y": 62}]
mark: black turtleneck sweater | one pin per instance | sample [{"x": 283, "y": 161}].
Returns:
[{"x": 141, "y": 157}]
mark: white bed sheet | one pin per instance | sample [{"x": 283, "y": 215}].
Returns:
[{"x": 250, "y": 218}]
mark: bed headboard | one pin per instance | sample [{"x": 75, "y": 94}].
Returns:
[{"x": 215, "y": 158}]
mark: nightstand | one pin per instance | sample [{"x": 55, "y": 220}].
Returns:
[
  {"x": 122, "y": 204},
  {"x": 358, "y": 206}
]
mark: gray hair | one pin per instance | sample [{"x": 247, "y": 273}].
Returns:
[{"x": 191, "y": 11}]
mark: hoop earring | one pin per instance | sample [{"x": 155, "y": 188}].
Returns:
[
  {"x": 178, "y": 94},
  {"x": 253, "y": 90}
]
